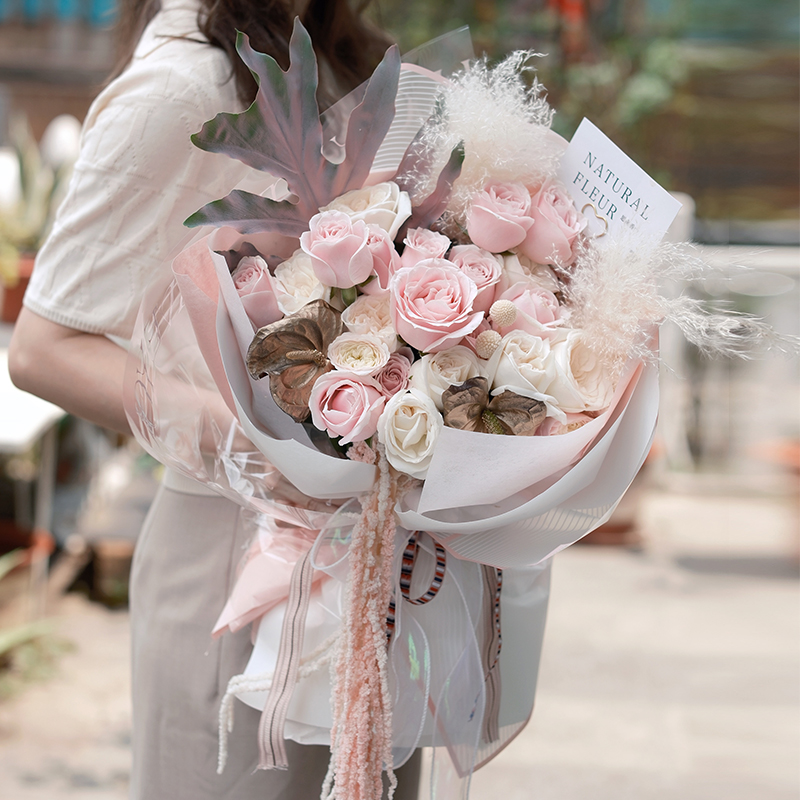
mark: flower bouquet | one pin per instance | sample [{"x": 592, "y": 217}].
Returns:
[{"x": 437, "y": 326}]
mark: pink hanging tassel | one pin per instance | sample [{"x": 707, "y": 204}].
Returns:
[{"x": 361, "y": 735}]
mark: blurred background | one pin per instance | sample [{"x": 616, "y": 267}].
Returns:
[{"x": 672, "y": 659}]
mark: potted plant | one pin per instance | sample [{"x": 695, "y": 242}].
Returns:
[{"x": 33, "y": 181}]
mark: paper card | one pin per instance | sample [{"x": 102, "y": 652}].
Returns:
[{"x": 613, "y": 193}]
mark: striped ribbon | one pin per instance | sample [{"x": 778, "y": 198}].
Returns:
[
  {"x": 490, "y": 650},
  {"x": 406, "y": 569}
]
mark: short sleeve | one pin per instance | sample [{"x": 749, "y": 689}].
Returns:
[{"x": 137, "y": 178}]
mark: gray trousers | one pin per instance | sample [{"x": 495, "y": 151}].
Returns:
[{"x": 183, "y": 570}]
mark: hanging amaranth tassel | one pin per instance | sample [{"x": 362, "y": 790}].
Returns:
[{"x": 361, "y": 735}]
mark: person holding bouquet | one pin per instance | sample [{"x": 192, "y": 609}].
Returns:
[{"x": 138, "y": 177}]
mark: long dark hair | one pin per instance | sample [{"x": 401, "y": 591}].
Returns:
[{"x": 348, "y": 43}]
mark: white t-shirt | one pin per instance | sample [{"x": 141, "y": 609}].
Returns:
[{"x": 137, "y": 178}]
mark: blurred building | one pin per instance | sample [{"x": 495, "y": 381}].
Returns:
[{"x": 54, "y": 57}]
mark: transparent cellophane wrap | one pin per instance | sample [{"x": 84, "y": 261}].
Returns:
[{"x": 510, "y": 502}]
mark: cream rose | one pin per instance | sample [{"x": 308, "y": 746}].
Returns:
[
  {"x": 383, "y": 204},
  {"x": 296, "y": 283},
  {"x": 523, "y": 364},
  {"x": 409, "y": 428},
  {"x": 359, "y": 353},
  {"x": 579, "y": 381},
  {"x": 435, "y": 372},
  {"x": 371, "y": 314}
]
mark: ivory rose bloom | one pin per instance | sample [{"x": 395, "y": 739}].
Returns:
[
  {"x": 420, "y": 243},
  {"x": 257, "y": 290},
  {"x": 393, "y": 378},
  {"x": 499, "y": 217},
  {"x": 579, "y": 382},
  {"x": 359, "y": 353},
  {"x": 523, "y": 365},
  {"x": 431, "y": 305},
  {"x": 371, "y": 314},
  {"x": 346, "y": 405},
  {"x": 556, "y": 223},
  {"x": 383, "y": 205},
  {"x": 538, "y": 311},
  {"x": 483, "y": 267},
  {"x": 409, "y": 428},
  {"x": 434, "y": 373},
  {"x": 297, "y": 284},
  {"x": 338, "y": 249},
  {"x": 385, "y": 260}
]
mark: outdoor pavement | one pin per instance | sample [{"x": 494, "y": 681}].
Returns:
[{"x": 670, "y": 672}]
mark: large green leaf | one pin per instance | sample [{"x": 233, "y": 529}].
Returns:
[{"x": 281, "y": 134}]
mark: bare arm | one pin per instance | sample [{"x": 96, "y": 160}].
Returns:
[{"x": 81, "y": 372}]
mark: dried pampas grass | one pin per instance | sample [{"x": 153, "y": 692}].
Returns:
[
  {"x": 617, "y": 294},
  {"x": 501, "y": 115}
]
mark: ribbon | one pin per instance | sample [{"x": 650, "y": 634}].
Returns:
[
  {"x": 272, "y": 751},
  {"x": 490, "y": 651}
]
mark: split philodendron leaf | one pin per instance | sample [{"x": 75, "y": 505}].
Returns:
[
  {"x": 281, "y": 134},
  {"x": 433, "y": 206}
]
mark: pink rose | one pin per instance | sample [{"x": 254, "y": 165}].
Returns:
[
  {"x": 422, "y": 244},
  {"x": 338, "y": 249},
  {"x": 393, "y": 378},
  {"x": 256, "y": 289},
  {"x": 385, "y": 260},
  {"x": 499, "y": 217},
  {"x": 538, "y": 311},
  {"x": 483, "y": 267},
  {"x": 431, "y": 305},
  {"x": 346, "y": 405},
  {"x": 556, "y": 223}
]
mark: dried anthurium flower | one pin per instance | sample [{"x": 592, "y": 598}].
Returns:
[
  {"x": 293, "y": 352},
  {"x": 469, "y": 407}
]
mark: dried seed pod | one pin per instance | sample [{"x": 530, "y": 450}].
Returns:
[
  {"x": 486, "y": 343},
  {"x": 503, "y": 313}
]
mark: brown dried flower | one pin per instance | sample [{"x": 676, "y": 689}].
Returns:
[
  {"x": 469, "y": 407},
  {"x": 293, "y": 352}
]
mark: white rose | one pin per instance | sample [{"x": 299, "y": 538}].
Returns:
[
  {"x": 523, "y": 364},
  {"x": 579, "y": 383},
  {"x": 383, "y": 205},
  {"x": 359, "y": 353},
  {"x": 435, "y": 372},
  {"x": 409, "y": 428},
  {"x": 518, "y": 268},
  {"x": 297, "y": 284},
  {"x": 370, "y": 314}
]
